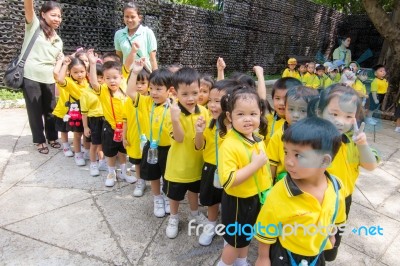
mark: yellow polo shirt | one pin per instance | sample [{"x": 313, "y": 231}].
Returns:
[
  {"x": 90, "y": 103},
  {"x": 380, "y": 86},
  {"x": 209, "y": 153},
  {"x": 291, "y": 73},
  {"x": 235, "y": 153},
  {"x": 359, "y": 87},
  {"x": 113, "y": 107},
  {"x": 184, "y": 162},
  {"x": 311, "y": 80},
  {"x": 154, "y": 116},
  {"x": 274, "y": 122},
  {"x": 287, "y": 205},
  {"x": 71, "y": 92},
  {"x": 275, "y": 151}
]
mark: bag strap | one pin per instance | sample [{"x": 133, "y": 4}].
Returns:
[{"x": 30, "y": 45}]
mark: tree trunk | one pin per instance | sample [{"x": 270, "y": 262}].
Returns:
[{"x": 390, "y": 31}]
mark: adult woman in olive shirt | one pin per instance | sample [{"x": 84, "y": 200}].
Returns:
[{"x": 39, "y": 85}]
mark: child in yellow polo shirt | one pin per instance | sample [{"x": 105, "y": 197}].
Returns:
[
  {"x": 341, "y": 105},
  {"x": 296, "y": 103},
  {"x": 276, "y": 118},
  {"x": 135, "y": 130},
  {"x": 291, "y": 70},
  {"x": 112, "y": 97},
  {"x": 73, "y": 84},
  {"x": 243, "y": 170},
  {"x": 310, "y": 79},
  {"x": 210, "y": 141},
  {"x": 307, "y": 196},
  {"x": 184, "y": 162},
  {"x": 154, "y": 110},
  {"x": 379, "y": 87},
  {"x": 92, "y": 119}
]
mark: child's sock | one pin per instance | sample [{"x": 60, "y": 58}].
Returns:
[
  {"x": 174, "y": 216},
  {"x": 241, "y": 262},
  {"x": 158, "y": 197},
  {"x": 221, "y": 263},
  {"x": 93, "y": 163},
  {"x": 195, "y": 213},
  {"x": 214, "y": 223},
  {"x": 123, "y": 168},
  {"x": 111, "y": 169},
  {"x": 66, "y": 145}
]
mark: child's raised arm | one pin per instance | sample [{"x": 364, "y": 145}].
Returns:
[
  {"x": 177, "y": 130},
  {"x": 131, "y": 89},
  {"x": 130, "y": 59},
  {"x": 220, "y": 68},
  {"x": 261, "y": 88},
  {"x": 57, "y": 67},
  {"x": 199, "y": 138},
  {"x": 63, "y": 71},
  {"x": 367, "y": 157},
  {"x": 93, "y": 73}
]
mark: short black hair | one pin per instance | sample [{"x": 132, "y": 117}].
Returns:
[
  {"x": 302, "y": 92},
  {"x": 112, "y": 65},
  {"x": 320, "y": 67},
  {"x": 244, "y": 79},
  {"x": 376, "y": 67},
  {"x": 284, "y": 84},
  {"x": 207, "y": 79},
  {"x": 185, "y": 75},
  {"x": 112, "y": 55},
  {"x": 143, "y": 75},
  {"x": 319, "y": 133},
  {"x": 161, "y": 77}
]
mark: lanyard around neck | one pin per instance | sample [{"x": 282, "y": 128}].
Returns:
[
  {"x": 161, "y": 125},
  {"x": 216, "y": 143},
  {"x": 137, "y": 122},
  {"x": 261, "y": 195}
]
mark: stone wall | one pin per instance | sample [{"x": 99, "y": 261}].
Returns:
[{"x": 245, "y": 33}]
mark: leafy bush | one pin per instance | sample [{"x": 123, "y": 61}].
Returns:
[{"x": 7, "y": 94}]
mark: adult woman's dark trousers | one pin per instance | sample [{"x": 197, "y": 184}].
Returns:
[{"x": 40, "y": 102}]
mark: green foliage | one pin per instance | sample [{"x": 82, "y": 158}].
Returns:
[
  {"x": 354, "y": 6},
  {"x": 7, "y": 94},
  {"x": 206, "y": 4}
]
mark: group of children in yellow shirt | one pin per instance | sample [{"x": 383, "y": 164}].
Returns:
[
  {"x": 255, "y": 164},
  {"x": 322, "y": 76}
]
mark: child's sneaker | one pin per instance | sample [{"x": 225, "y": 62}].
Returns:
[
  {"x": 127, "y": 178},
  {"x": 110, "y": 180},
  {"x": 167, "y": 208},
  {"x": 86, "y": 155},
  {"x": 172, "y": 228},
  {"x": 79, "y": 159},
  {"x": 94, "y": 169},
  {"x": 159, "y": 210},
  {"x": 68, "y": 152},
  {"x": 139, "y": 188},
  {"x": 397, "y": 129},
  {"x": 207, "y": 235},
  {"x": 103, "y": 165},
  {"x": 199, "y": 218}
]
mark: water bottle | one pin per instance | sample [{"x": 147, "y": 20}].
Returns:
[
  {"x": 143, "y": 141},
  {"x": 303, "y": 263},
  {"x": 118, "y": 132},
  {"x": 152, "y": 155},
  {"x": 217, "y": 183}
]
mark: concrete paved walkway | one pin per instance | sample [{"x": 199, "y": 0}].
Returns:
[{"x": 53, "y": 213}]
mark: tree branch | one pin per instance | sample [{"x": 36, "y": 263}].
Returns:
[{"x": 382, "y": 22}]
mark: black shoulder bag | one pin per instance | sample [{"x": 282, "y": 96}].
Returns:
[{"x": 14, "y": 74}]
